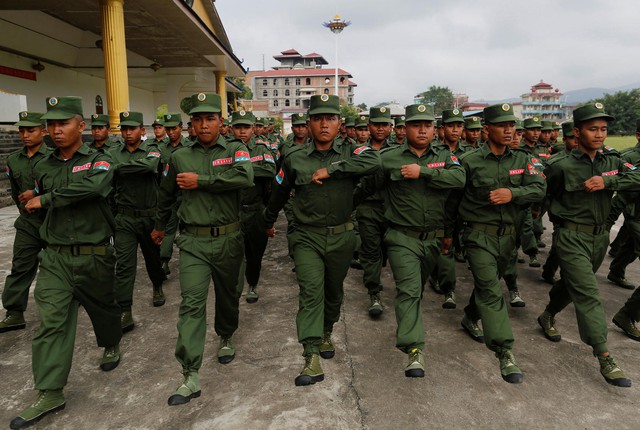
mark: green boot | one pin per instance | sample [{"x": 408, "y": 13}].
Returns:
[
  {"x": 158, "y": 296},
  {"x": 415, "y": 368},
  {"x": 110, "y": 358},
  {"x": 48, "y": 402},
  {"x": 252, "y": 294},
  {"x": 226, "y": 351},
  {"x": 628, "y": 326},
  {"x": 376, "y": 308},
  {"x": 327, "y": 350},
  {"x": 472, "y": 328},
  {"x": 190, "y": 389},
  {"x": 13, "y": 321},
  {"x": 508, "y": 368},
  {"x": 126, "y": 321},
  {"x": 612, "y": 373},
  {"x": 312, "y": 371},
  {"x": 547, "y": 322}
]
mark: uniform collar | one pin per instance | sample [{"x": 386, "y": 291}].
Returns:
[
  {"x": 406, "y": 148},
  {"x": 486, "y": 151},
  {"x": 312, "y": 146},
  {"x": 220, "y": 142}
]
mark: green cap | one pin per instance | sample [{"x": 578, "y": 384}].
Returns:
[
  {"x": 399, "y": 121},
  {"x": 172, "y": 119},
  {"x": 438, "y": 123},
  {"x": 590, "y": 111},
  {"x": 242, "y": 117},
  {"x": 556, "y": 125},
  {"x": 532, "y": 122},
  {"x": 380, "y": 114},
  {"x": 452, "y": 115},
  {"x": 63, "y": 107},
  {"x": 157, "y": 121},
  {"x": 547, "y": 126},
  {"x": 419, "y": 112},
  {"x": 501, "y": 112},
  {"x": 271, "y": 120},
  {"x": 299, "y": 119},
  {"x": 324, "y": 104},
  {"x": 227, "y": 121},
  {"x": 473, "y": 123},
  {"x": 99, "y": 119},
  {"x": 567, "y": 129},
  {"x": 351, "y": 121},
  {"x": 362, "y": 121},
  {"x": 204, "y": 102},
  {"x": 132, "y": 119},
  {"x": 30, "y": 119},
  {"x": 260, "y": 121},
  {"x": 519, "y": 124}
]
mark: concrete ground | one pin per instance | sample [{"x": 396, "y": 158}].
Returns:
[{"x": 364, "y": 386}]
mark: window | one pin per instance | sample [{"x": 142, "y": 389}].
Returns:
[
  {"x": 275, "y": 93},
  {"x": 286, "y": 81},
  {"x": 275, "y": 82},
  {"x": 326, "y": 90},
  {"x": 264, "y": 82},
  {"x": 297, "y": 92},
  {"x": 287, "y": 103},
  {"x": 265, "y": 93},
  {"x": 307, "y": 81},
  {"x": 297, "y": 81},
  {"x": 287, "y": 93},
  {"x": 342, "y": 80},
  {"x": 297, "y": 102},
  {"x": 99, "y": 107},
  {"x": 275, "y": 102},
  {"x": 327, "y": 80}
]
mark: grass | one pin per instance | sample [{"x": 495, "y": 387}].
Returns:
[{"x": 620, "y": 142}]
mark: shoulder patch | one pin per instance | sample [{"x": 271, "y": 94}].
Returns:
[
  {"x": 8, "y": 171},
  {"x": 280, "y": 176},
  {"x": 153, "y": 154},
  {"x": 166, "y": 170},
  {"x": 629, "y": 165},
  {"x": 269, "y": 158},
  {"x": 101, "y": 165},
  {"x": 242, "y": 155},
  {"x": 360, "y": 149},
  {"x": 455, "y": 160}
]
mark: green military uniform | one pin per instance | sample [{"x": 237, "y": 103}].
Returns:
[
  {"x": 110, "y": 143},
  {"x": 415, "y": 213},
  {"x": 398, "y": 121},
  {"x": 136, "y": 196},
  {"x": 210, "y": 241},
  {"x": 472, "y": 123},
  {"x": 323, "y": 242},
  {"x": 27, "y": 243},
  {"x": 77, "y": 266},
  {"x": 490, "y": 234}
]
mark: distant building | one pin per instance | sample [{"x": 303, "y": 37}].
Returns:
[
  {"x": 288, "y": 87},
  {"x": 543, "y": 101}
]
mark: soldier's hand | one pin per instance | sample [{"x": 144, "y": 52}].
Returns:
[
  {"x": 319, "y": 175},
  {"x": 157, "y": 236},
  {"x": 33, "y": 205},
  {"x": 410, "y": 171},
  {"x": 595, "y": 183},
  {"x": 187, "y": 181},
  {"x": 445, "y": 245},
  {"x": 270, "y": 232},
  {"x": 535, "y": 213},
  {"x": 500, "y": 196},
  {"x": 26, "y": 196}
]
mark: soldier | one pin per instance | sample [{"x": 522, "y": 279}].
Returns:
[
  {"x": 473, "y": 131},
  {"x": 159, "y": 133},
  {"x": 211, "y": 174},
  {"x": 518, "y": 135},
  {"x": 253, "y": 201},
  {"x": 370, "y": 216},
  {"x": 399, "y": 130},
  {"x": 417, "y": 178},
  {"x": 27, "y": 243},
  {"x": 173, "y": 126},
  {"x": 499, "y": 182},
  {"x": 136, "y": 195},
  {"x": 555, "y": 132},
  {"x": 191, "y": 132},
  {"x": 440, "y": 131},
  {"x": 580, "y": 188},
  {"x": 322, "y": 174},
  {"x": 299, "y": 133},
  {"x": 351, "y": 128},
  {"x": 76, "y": 267},
  {"x": 362, "y": 129},
  {"x": 100, "y": 132},
  {"x": 224, "y": 129}
]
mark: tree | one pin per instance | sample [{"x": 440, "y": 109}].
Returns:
[
  {"x": 246, "y": 93},
  {"x": 362, "y": 107},
  {"x": 441, "y": 98},
  {"x": 347, "y": 111},
  {"x": 625, "y": 107}
]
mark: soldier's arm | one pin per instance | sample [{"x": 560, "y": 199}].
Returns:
[
  {"x": 362, "y": 161},
  {"x": 147, "y": 164},
  {"x": 239, "y": 176},
  {"x": 280, "y": 194},
  {"x": 15, "y": 187},
  {"x": 452, "y": 176},
  {"x": 167, "y": 195},
  {"x": 96, "y": 183},
  {"x": 627, "y": 178},
  {"x": 533, "y": 186}
]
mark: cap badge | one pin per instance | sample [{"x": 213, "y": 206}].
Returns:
[
  {"x": 324, "y": 97},
  {"x": 457, "y": 112},
  {"x": 506, "y": 107},
  {"x": 94, "y": 116},
  {"x": 202, "y": 97},
  {"x": 402, "y": 118},
  {"x": 475, "y": 119},
  {"x": 53, "y": 101},
  {"x": 599, "y": 105},
  {"x": 242, "y": 113},
  {"x": 535, "y": 119},
  {"x": 168, "y": 116},
  {"x": 125, "y": 114},
  {"x": 300, "y": 115},
  {"x": 23, "y": 115},
  {"x": 362, "y": 117},
  {"x": 383, "y": 109},
  {"x": 422, "y": 108}
]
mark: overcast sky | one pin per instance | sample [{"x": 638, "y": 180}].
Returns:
[{"x": 488, "y": 49}]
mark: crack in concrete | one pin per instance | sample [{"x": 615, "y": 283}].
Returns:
[{"x": 349, "y": 360}]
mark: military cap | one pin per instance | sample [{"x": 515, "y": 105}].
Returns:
[
  {"x": 299, "y": 119},
  {"x": 260, "y": 121},
  {"x": 99, "y": 119},
  {"x": 132, "y": 119},
  {"x": 157, "y": 121},
  {"x": 362, "y": 121},
  {"x": 501, "y": 112},
  {"x": 380, "y": 114},
  {"x": 519, "y": 124},
  {"x": 532, "y": 123},
  {"x": 204, "y": 102},
  {"x": 547, "y": 125},
  {"x": 556, "y": 125},
  {"x": 567, "y": 129},
  {"x": 63, "y": 107},
  {"x": 227, "y": 121},
  {"x": 472, "y": 123},
  {"x": 452, "y": 115},
  {"x": 438, "y": 123},
  {"x": 270, "y": 120},
  {"x": 351, "y": 121},
  {"x": 590, "y": 111},
  {"x": 242, "y": 117},
  {"x": 419, "y": 112},
  {"x": 172, "y": 119},
  {"x": 399, "y": 121},
  {"x": 30, "y": 119},
  {"x": 324, "y": 104}
]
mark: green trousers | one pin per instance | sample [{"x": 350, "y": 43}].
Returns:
[
  {"x": 552, "y": 263},
  {"x": 489, "y": 256},
  {"x": 372, "y": 228},
  {"x": 628, "y": 248},
  {"x": 131, "y": 231},
  {"x": 203, "y": 259},
  {"x": 524, "y": 239},
  {"x": 411, "y": 260},
  {"x": 24, "y": 265},
  {"x": 582, "y": 254},
  {"x": 166, "y": 249},
  {"x": 64, "y": 283},
  {"x": 322, "y": 263},
  {"x": 632, "y": 305},
  {"x": 255, "y": 243}
]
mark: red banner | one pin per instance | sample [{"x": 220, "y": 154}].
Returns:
[{"x": 17, "y": 73}]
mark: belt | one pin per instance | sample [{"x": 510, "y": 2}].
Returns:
[
  {"x": 498, "y": 230},
  {"x": 422, "y": 235},
  {"x": 583, "y": 228},
  {"x": 137, "y": 212},
  {"x": 212, "y": 230},
  {"x": 327, "y": 231},
  {"x": 80, "y": 249},
  {"x": 252, "y": 207}
]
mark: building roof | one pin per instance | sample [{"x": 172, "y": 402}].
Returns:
[
  {"x": 292, "y": 54},
  {"x": 542, "y": 85},
  {"x": 299, "y": 72}
]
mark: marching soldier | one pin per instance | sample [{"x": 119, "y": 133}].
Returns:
[
  {"x": 100, "y": 133},
  {"x": 160, "y": 137}
]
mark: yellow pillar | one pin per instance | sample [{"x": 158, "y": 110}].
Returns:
[
  {"x": 221, "y": 89},
  {"x": 115, "y": 59}
]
